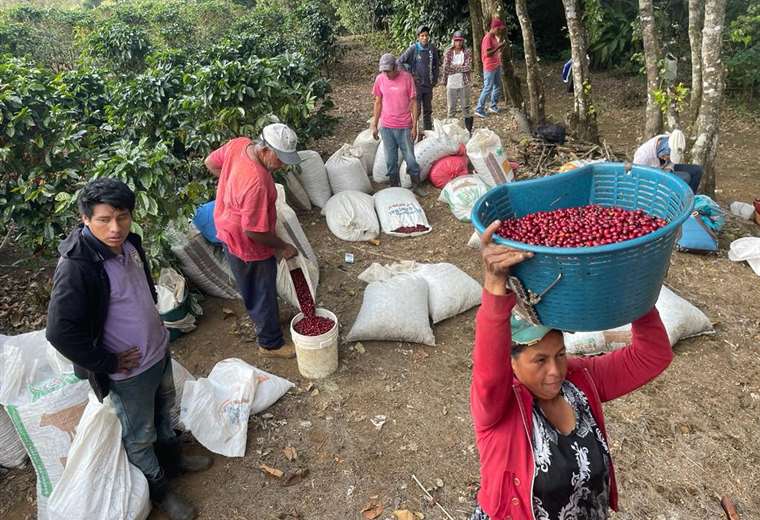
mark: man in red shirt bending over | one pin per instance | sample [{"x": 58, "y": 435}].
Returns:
[{"x": 245, "y": 217}]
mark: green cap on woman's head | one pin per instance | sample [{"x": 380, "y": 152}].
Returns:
[{"x": 524, "y": 333}]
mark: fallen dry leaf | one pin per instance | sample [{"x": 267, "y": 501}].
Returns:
[
  {"x": 290, "y": 453},
  {"x": 295, "y": 477},
  {"x": 274, "y": 472},
  {"x": 405, "y": 514},
  {"x": 372, "y": 510}
]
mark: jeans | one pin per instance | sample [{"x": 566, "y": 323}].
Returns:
[
  {"x": 491, "y": 87},
  {"x": 395, "y": 139},
  {"x": 425, "y": 104},
  {"x": 143, "y": 404},
  {"x": 691, "y": 174},
  {"x": 455, "y": 96},
  {"x": 257, "y": 282}
]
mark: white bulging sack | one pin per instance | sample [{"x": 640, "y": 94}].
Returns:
[
  {"x": 314, "y": 177},
  {"x": 98, "y": 482},
  {"x": 461, "y": 194},
  {"x": 397, "y": 208},
  {"x": 681, "y": 319},
  {"x": 351, "y": 216},
  {"x": 368, "y": 145},
  {"x": 488, "y": 158},
  {"x": 394, "y": 310},
  {"x": 451, "y": 291},
  {"x": 346, "y": 172}
]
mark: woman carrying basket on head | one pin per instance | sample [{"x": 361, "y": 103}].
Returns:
[
  {"x": 457, "y": 67},
  {"x": 538, "y": 419}
]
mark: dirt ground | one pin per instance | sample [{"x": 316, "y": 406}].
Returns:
[{"x": 679, "y": 443}]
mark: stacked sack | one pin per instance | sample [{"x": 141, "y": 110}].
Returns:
[
  {"x": 488, "y": 158},
  {"x": 402, "y": 298},
  {"x": 444, "y": 140}
]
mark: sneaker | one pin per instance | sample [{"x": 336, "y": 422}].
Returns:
[
  {"x": 494, "y": 110},
  {"x": 480, "y": 114},
  {"x": 287, "y": 351}
]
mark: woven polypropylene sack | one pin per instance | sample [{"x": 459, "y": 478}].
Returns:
[
  {"x": 351, "y": 216},
  {"x": 397, "y": 208},
  {"x": 12, "y": 452},
  {"x": 435, "y": 146},
  {"x": 346, "y": 172},
  {"x": 46, "y": 427},
  {"x": 179, "y": 375},
  {"x": 380, "y": 167},
  {"x": 447, "y": 168},
  {"x": 451, "y": 290},
  {"x": 394, "y": 310},
  {"x": 296, "y": 192},
  {"x": 461, "y": 194},
  {"x": 489, "y": 158},
  {"x": 289, "y": 229},
  {"x": 681, "y": 319},
  {"x": 368, "y": 145},
  {"x": 314, "y": 177},
  {"x": 204, "y": 264}
]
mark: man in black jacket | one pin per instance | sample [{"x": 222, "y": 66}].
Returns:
[
  {"x": 421, "y": 59},
  {"x": 102, "y": 317}
]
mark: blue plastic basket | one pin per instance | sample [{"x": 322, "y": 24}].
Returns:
[{"x": 591, "y": 288}]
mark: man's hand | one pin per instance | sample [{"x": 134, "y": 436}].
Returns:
[
  {"x": 128, "y": 360},
  {"x": 497, "y": 260},
  {"x": 289, "y": 252},
  {"x": 375, "y": 132},
  {"x": 415, "y": 132}
]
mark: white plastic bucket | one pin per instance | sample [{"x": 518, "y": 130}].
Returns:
[{"x": 317, "y": 356}]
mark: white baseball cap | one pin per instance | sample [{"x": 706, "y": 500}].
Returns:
[{"x": 283, "y": 141}]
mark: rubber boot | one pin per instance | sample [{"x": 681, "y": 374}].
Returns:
[
  {"x": 417, "y": 186},
  {"x": 468, "y": 124},
  {"x": 172, "y": 504},
  {"x": 174, "y": 462}
]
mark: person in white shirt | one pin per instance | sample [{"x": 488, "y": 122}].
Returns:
[
  {"x": 457, "y": 67},
  {"x": 666, "y": 151}
]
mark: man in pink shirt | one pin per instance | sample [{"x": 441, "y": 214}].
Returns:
[
  {"x": 490, "y": 54},
  {"x": 397, "y": 111},
  {"x": 245, "y": 217}
]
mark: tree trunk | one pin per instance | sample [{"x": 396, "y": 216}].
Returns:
[
  {"x": 532, "y": 73},
  {"x": 509, "y": 80},
  {"x": 476, "y": 21},
  {"x": 708, "y": 123},
  {"x": 652, "y": 57},
  {"x": 696, "y": 18},
  {"x": 583, "y": 120}
]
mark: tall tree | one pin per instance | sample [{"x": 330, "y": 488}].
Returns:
[
  {"x": 495, "y": 9},
  {"x": 535, "y": 106},
  {"x": 713, "y": 84},
  {"x": 583, "y": 120},
  {"x": 476, "y": 21},
  {"x": 652, "y": 57},
  {"x": 696, "y": 18}
]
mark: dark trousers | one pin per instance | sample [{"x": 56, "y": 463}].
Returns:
[
  {"x": 143, "y": 404},
  {"x": 691, "y": 174},
  {"x": 257, "y": 283},
  {"x": 425, "y": 104}
]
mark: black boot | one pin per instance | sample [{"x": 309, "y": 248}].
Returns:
[
  {"x": 468, "y": 124},
  {"x": 172, "y": 504},
  {"x": 174, "y": 462}
]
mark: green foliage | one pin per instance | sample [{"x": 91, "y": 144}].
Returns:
[
  {"x": 610, "y": 30},
  {"x": 743, "y": 60},
  {"x": 676, "y": 97},
  {"x": 146, "y": 104},
  {"x": 443, "y": 18},
  {"x": 362, "y": 17},
  {"x": 118, "y": 46}
]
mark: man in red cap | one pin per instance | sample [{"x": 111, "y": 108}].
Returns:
[{"x": 490, "y": 54}]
